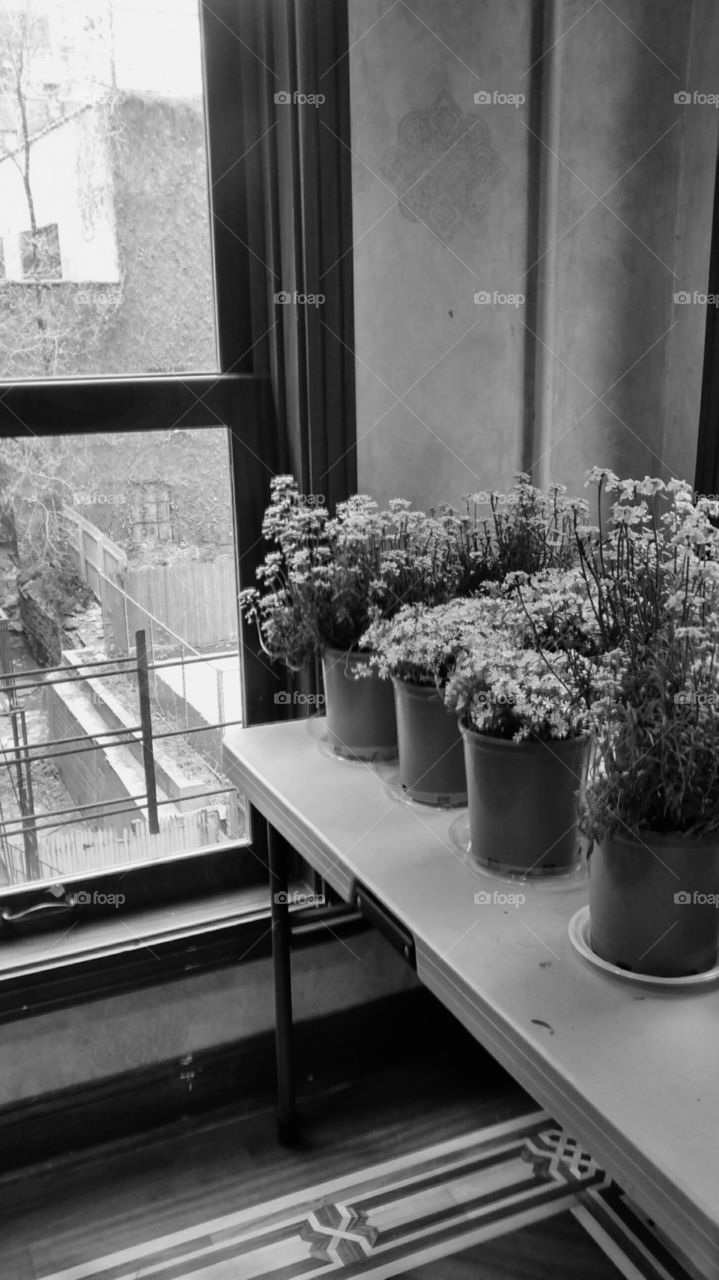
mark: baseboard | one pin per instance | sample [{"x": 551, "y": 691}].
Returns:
[{"x": 408, "y": 1026}]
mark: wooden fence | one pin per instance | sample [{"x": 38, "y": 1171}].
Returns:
[
  {"x": 83, "y": 850},
  {"x": 196, "y": 601},
  {"x": 95, "y": 553}
]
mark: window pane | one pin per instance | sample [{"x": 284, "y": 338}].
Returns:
[
  {"x": 105, "y": 262},
  {"x": 106, "y": 540}
]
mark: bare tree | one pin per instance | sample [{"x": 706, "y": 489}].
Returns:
[{"x": 42, "y": 321}]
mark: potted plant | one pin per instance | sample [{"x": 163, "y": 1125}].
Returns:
[
  {"x": 652, "y": 808},
  {"x": 522, "y": 692},
  {"x": 327, "y": 578},
  {"x": 417, "y": 650}
]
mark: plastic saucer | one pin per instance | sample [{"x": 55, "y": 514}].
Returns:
[
  {"x": 317, "y": 729},
  {"x": 579, "y": 936},
  {"x": 459, "y": 834},
  {"x": 388, "y": 773}
]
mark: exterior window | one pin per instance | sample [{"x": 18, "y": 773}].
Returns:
[
  {"x": 120, "y": 494},
  {"x": 41, "y": 254},
  {"x": 103, "y": 151},
  {"x": 95, "y": 583}
]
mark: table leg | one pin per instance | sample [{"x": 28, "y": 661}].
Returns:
[{"x": 279, "y": 863}]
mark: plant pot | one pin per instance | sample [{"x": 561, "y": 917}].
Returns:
[
  {"x": 650, "y": 903},
  {"x": 431, "y": 757},
  {"x": 361, "y": 721},
  {"x": 522, "y": 805}
]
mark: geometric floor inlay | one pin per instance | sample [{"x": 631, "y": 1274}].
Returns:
[{"x": 406, "y": 1212}]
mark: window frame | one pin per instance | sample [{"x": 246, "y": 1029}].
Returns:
[{"x": 260, "y": 392}]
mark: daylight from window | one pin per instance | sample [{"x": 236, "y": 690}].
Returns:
[
  {"x": 119, "y": 665},
  {"x": 105, "y": 264}
]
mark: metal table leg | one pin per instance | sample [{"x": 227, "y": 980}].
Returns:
[{"x": 279, "y": 864}]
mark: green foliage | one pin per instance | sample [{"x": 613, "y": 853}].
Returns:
[{"x": 653, "y": 579}]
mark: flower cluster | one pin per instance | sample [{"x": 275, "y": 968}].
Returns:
[
  {"x": 327, "y": 578},
  {"x": 421, "y": 645},
  {"x": 528, "y": 530},
  {"x": 532, "y": 669}
]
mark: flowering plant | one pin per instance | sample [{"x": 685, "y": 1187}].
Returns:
[
  {"x": 327, "y": 578},
  {"x": 652, "y": 578},
  {"x": 528, "y": 530},
  {"x": 531, "y": 670},
  {"x": 421, "y": 645}
]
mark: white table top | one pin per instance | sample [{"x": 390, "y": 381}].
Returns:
[{"x": 633, "y": 1073}]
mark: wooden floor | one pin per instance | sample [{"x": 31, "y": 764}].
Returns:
[{"x": 125, "y": 1197}]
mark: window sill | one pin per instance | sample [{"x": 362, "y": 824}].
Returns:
[
  {"x": 109, "y": 957},
  {"x": 92, "y": 960}
]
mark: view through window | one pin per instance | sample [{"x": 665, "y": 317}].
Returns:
[
  {"x": 104, "y": 225},
  {"x": 112, "y": 545},
  {"x": 119, "y": 663}
]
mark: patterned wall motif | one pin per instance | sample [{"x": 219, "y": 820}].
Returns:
[{"x": 443, "y": 167}]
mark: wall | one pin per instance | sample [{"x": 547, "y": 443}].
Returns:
[
  {"x": 92, "y": 777},
  {"x": 459, "y": 366},
  {"x": 136, "y": 294},
  {"x": 634, "y": 175},
  {"x": 72, "y": 1046}
]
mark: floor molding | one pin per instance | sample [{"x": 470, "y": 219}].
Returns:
[{"x": 406, "y": 1212}]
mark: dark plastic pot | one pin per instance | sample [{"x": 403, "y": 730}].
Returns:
[
  {"x": 522, "y": 803},
  {"x": 652, "y": 903},
  {"x": 431, "y": 757},
  {"x": 361, "y": 721}
]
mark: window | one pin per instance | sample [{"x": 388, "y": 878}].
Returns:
[
  {"x": 40, "y": 253},
  {"x": 130, "y": 462},
  {"x": 109, "y": 165},
  {"x": 166, "y": 333}
]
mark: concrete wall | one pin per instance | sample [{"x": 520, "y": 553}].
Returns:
[
  {"x": 634, "y": 175},
  {"x": 92, "y": 777}
]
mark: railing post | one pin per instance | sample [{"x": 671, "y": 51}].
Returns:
[{"x": 148, "y": 756}]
